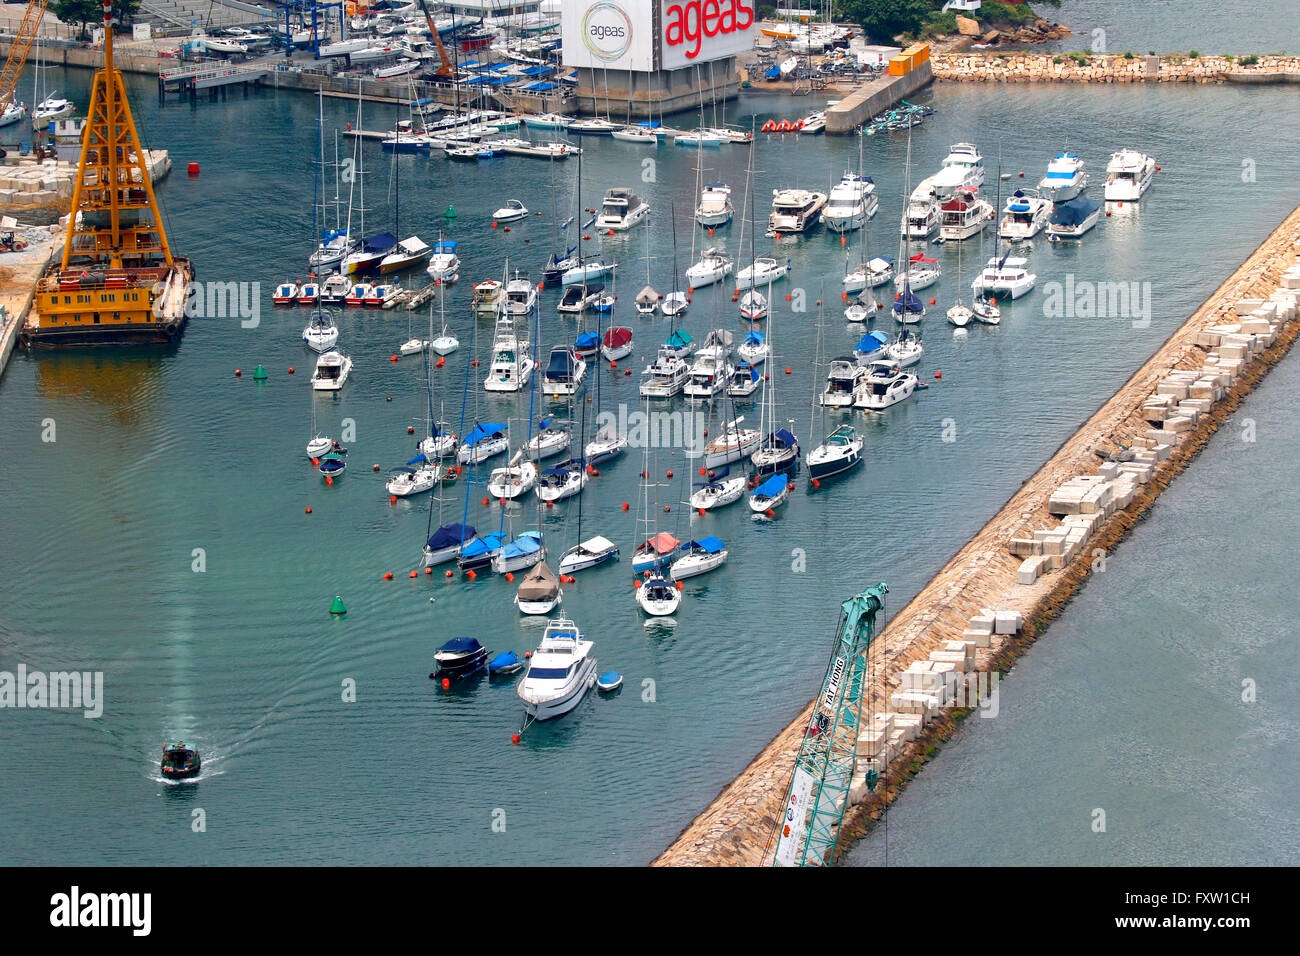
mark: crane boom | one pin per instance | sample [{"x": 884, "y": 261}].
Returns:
[
  {"x": 22, "y": 45},
  {"x": 445, "y": 69}
]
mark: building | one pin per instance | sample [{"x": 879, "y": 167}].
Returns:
[{"x": 646, "y": 58}]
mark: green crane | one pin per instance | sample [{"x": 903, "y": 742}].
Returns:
[{"x": 823, "y": 771}]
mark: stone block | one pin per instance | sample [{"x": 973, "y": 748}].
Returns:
[{"x": 1009, "y": 621}]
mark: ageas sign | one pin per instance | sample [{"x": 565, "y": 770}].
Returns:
[{"x": 703, "y": 30}]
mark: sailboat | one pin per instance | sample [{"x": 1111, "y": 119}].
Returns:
[
  {"x": 983, "y": 305},
  {"x": 51, "y": 107},
  {"x": 841, "y": 449},
  {"x": 647, "y": 300},
  {"x": 595, "y": 550},
  {"x": 908, "y": 308},
  {"x": 959, "y": 315},
  {"x": 520, "y": 476},
  {"x": 675, "y": 302},
  {"x": 779, "y": 451}
]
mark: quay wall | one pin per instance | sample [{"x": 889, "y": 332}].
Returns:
[
  {"x": 1191, "y": 386},
  {"x": 988, "y": 67},
  {"x": 875, "y": 97}
]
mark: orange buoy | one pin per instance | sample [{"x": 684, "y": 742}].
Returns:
[
  {"x": 309, "y": 509},
  {"x": 290, "y": 369},
  {"x": 374, "y": 467},
  {"x": 667, "y": 508},
  {"x": 816, "y": 483},
  {"x": 627, "y": 371},
  {"x": 410, "y": 429},
  {"x": 515, "y": 740},
  {"x": 613, "y": 363},
  {"x": 428, "y": 570},
  {"x": 625, "y": 506},
  {"x": 938, "y": 374},
  {"x": 442, "y": 360},
  {"x": 701, "y": 512},
  {"x": 485, "y": 502},
  {"x": 788, "y": 297},
  {"x": 472, "y": 574},
  {"x": 610, "y": 233},
  {"x": 680, "y": 586},
  {"x": 787, "y": 370},
  {"x": 238, "y": 373},
  {"x": 316, "y": 462},
  {"x": 446, "y": 573},
  {"x": 844, "y": 241},
  {"x": 932, "y": 301},
  {"x": 392, "y": 358},
  {"x": 392, "y": 499},
  {"x": 494, "y": 225},
  {"x": 510, "y": 576},
  {"x": 710, "y": 232},
  {"x": 388, "y": 575},
  {"x": 329, "y": 479},
  {"x": 550, "y": 504},
  {"x": 770, "y": 513},
  {"x": 446, "y": 683},
  {"x": 415, "y": 574},
  {"x": 670, "y": 472},
  {"x": 507, "y": 229}
]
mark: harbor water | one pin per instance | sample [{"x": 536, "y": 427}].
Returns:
[{"x": 161, "y": 537}]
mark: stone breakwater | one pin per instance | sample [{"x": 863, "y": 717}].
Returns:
[
  {"x": 985, "y": 67},
  {"x": 1000, "y": 591}
]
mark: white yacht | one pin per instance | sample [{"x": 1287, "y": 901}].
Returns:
[
  {"x": 964, "y": 215},
  {"x": 1005, "y": 276},
  {"x": 709, "y": 375},
  {"x": 332, "y": 370},
  {"x": 1065, "y": 178},
  {"x": 884, "y": 385},
  {"x": 715, "y": 208},
  {"x": 512, "y": 211},
  {"x": 665, "y": 377},
  {"x": 841, "y": 451},
  {"x": 842, "y": 380},
  {"x": 921, "y": 218},
  {"x": 963, "y": 168},
  {"x": 621, "y": 210},
  {"x": 321, "y": 332},
  {"x": 489, "y": 297},
  {"x": 564, "y": 373},
  {"x": 852, "y": 202},
  {"x": 1073, "y": 218},
  {"x": 444, "y": 264},
  {"x": 745, "y": 381},
  {"x": 720, "y": 490},
  {"x": 795, "y": 210},
  {"x": 560, "y": 672},
  {"x": 520, "y": 296},
  {"x": 763, "y": 270},
  {"x": 714, "y": 266},
  {"x": 1128, "y": 175},
  {"x": 1025, "y": 216},
  {"x": 512, "y": 361}
]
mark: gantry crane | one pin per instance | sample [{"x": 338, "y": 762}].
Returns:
[{"x": 22, "y": 45}]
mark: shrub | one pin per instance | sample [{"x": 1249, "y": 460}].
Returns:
[
  {"x": 1058, "y": 59},
  {"x": 1128, "y": 55},
  {"x": 1194, "y": 55},
  {"x": 1249, "y": 60}
]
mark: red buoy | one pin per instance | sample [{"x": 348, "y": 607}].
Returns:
[
  {"x": 446, "y": 683},
  {"x": 410, "y": 429},
  {"x": 415, "y": 574},
  {"x": 309, "y": 509},
  {"x": 515, "y": 740},
  {"x": 192, "y": 169},
  {"x": 290, "y": 369},
  {"x": 938, "y": 374},
  {"x": 392, "y": 499},
  {"x": 625, "y": 506},
  {"x": 510, "y": 576},
  {"x": 388, "y": 575}
]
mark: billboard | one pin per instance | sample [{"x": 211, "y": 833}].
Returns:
[
  {"x": 614, "y": 34},
  {"x": 699, "y": 31}
]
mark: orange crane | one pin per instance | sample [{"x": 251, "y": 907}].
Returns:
[
  {"x": 445, "y": 69},
  {"x": 22, "y": 45}
]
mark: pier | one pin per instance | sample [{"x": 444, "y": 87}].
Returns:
[
  {"x": 188, "y": 82},
  {"x": 875, "y": 97},
  {"x": 1003, "y": 588}
]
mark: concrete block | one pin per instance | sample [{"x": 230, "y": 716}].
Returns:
[
  {"x": 1008, "y": 622},
  {"x": 909, "y": 725},
  {"x": 956, "y": 658},
  {"x": 1174, "y": 388},
  {"x": 871, "y": 742},
  {"x": 1029, "y": 570},
  {"x": 1179, "y": 423},
  {"x": 978, "y": 638},
  {"x": 1247, "y": 306},
  {"x": 982, "y": 623},
  {"x": 965, "y": 648},
  {"x": 882, "y": 721},
  {"x": 1108, "y": 469}
]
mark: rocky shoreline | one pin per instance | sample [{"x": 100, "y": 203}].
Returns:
[{"x": 986, "y": 67}]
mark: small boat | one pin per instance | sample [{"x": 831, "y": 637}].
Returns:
[
  {"x": 513, "y": 481},
  {"x": 906, "y": 350},
  {"x": 407, "y": 481},
  {"x": 591, "y": 269},
  {"x": 587, "y": 345},
  {"x": 445, "y": 344},
  {"x": 734, "y": 444},
  {"x": 1008, "y": 276},
  {"x": 1072, "y": 218},
  {"x": 459, "y": 657},
  {"x": 909, "y": 308},
  {"x": 444, "y": 264},
  {"x": 647, "y": 301},
  {"x": 1025, "y": 216},
  {"x": 579, "y": 298},
  {"x": 960, "y": 316},
  {"x": 986, "y": 310},
  {"x": 715, "y": 207},
  {"x": 795, "y": 210},
  {"x": 841, "y": 451},
  {"x": 874, "y": 272},
  {"x": 714, "y": 266},
  {"x": 334, "y": 290},
  {"x": 921, "y": 273},
  {"x": 180, "y": 762},
  {"x": 861, "y": 308},
  {"x": 462, "y": 154},
  {"x": 406, "y": 254},
  {"x": 565, "y": 372},
  {"x": 771, "y": 494},
  {"x": 563, "y": 481},
  {"x": 478, "y": 554},
  {"x": 560, "y": 672},
  {"x": 666, "y": 376},
  {"x": 779, "y": 452},
  {"x": 621, "y": 210},
  {"x": 520, "y": 554},
  {"x": 617, "y": 343},
  {"x": 412, "y": 346},
  {"x": 319, "y": 445},
  {"x": 488, "y": 296},
  {"x": 512, "y": 361},
  {"x": 654, "y": 552},
  {"x": 745, "y": 381},
  {"x": 842, "y": 380},
  {"x": 506, "y": 663},
  {"x": 609, "y": 682},
  {"x": 698, "y": 557},
  {"x": 753, "y": 306},
  {"x": 921, "y": 218},
  {"x": 332, "y": 465},
  {"x": 719, "y": 491},
  {"x": 441, "y": 443},
  {"x": 512, "y": 211},
  {"x": 885, "y": 385},
  {"x": 332, "y": 370},
  {"x": 286, "y": 293},
  {"x": 367, "y": 256},
  {"x": 964, "y": 215},
  {"x": 658, "y": 596},
  {"x": 679, "y": 343},
  {"x": 551, "y": 440},
  {"x": 539, "y": 592},
  {"x": 445, "y": 543},
  {"x": 635, "y": 134},
  {"x": 52, "y": 108},
  {"x": 485, "y": 441},
  {"x": 697, "y": 138},
  {"x": 674, "y": 303},
  {"x": 321, "y": 333},
  {"x": 870, "y": 347},
  {"x": 309, "y": 293},
  {"x": 763, "y": 270},
  {"x": 1065, "y": 179},
  {"x": 588, "y": 554},
  {"x": 963, "y": 168},
  {"x": 520, "y": 297},
  {"x": 592, "y": 127},
  {"x": 547, "y": 121},
  {"x": 379, "y": 292},
  {"x": 709, "y": 375},
  {"x": 359, "y": 293},
  {"x": 1128, "y": 175},
  {"x": 754, "y": 348}
]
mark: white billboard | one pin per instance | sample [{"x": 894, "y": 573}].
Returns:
[
  {"x": 699, "y": 31},
  {"x": 614, "y": 34}
]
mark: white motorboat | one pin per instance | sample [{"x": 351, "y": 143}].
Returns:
[
  {"x": 714, "y": 266},
  {"x": 1007, "y": 276},
  {"x": 1072, "y": 218},
  {"x": 666, "y": 376},
  {"x": 1065, "y": 178},
  {"x": 885, "y": 385},
  {"x": 334, "y": 290},
  {"x": 753, "y": 306},
  {"x": 512, "y": 361},
  {"x": 321, "y": 333},
  {"x": 760, "y": 272},
  {"x": 709, "y": 376},
  {"x": 520, "y": 554},
  {"x": 513, "y": 481},
  {"x": 715, "y": 208},
  {"x": 718, "y": 492},
  {"x": 1024, "y": 217},
  {"x": 986, "y": 310},
  {"x": 870, "y": 274},
  {"x": 332, "y": 370},
  {"x": 404, "y": 482},
  {"x": 674, "y": 303},
  {"x": 745, "y": 381},
  {"x": 1128, "y": 175},
  {"x": 593, "y": 127},
  {"x": 964, "y": 215},
  {"x": 814, "y": 122},
  {"x": 795, "y": 210},
  {"x": 842, "y": 380},
  {"x": 485, "y": 441},
  {"x": 621, "y": 210},
  {"x": 407, "y": 254},
  {"x": 403, "y": 66},
  {"x": 921, "y": 273},
  {"x": 512, "y": 211},
  {"x": 771, "y": 494},
  {"x": 520, "y": 296},
  {"x": 851, "y": 203},
  {"x": 560, "y": 672},
  {"x": 658, "y": 596},
  {"x": 591, "y": 269},
  {"x": 489, "y": 297},
  {"x": 565, "y": 372},
  {"x": 921, "y": 218},
  {"x": 962, "y": 169},
  {"x": 444, "y": 264},
  {"x": 563, "y": 481},
  {"x": 841, "y": 451},
  {"x": 539, "y": 592},
  {"x": 319, "y": 445},
  {"x": 588, "y": 554},
  {"x": 580, "y": 298},
  {"x": 906, "y": 350},
  {"x": 734, "y": 444},
  {"x": 286, "y": 293},
  {"x": 698, "y": 556}
]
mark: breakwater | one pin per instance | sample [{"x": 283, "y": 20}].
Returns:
[
  {"x": 988, "y": 67},
  {"x": 1002, "y": 589}
]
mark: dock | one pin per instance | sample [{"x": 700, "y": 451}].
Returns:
[
  {"x": 188, "y": 81},
  {"x": 410, "y": 299},
  {"x": 875, "y": 97},
  {"x": 19, "y": 272},
  {"x": 1003, "y": 588}
]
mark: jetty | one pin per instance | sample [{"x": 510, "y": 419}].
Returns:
[
  {"x": 1003, "y": 588},
  {"x": 908, "y": 72}
]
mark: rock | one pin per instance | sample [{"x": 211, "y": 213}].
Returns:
[
  {"x": 967, "y": 27},
  {"x": 991, "y": 37}
]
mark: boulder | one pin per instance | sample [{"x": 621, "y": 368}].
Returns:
[{"x": 967, "y": 27}]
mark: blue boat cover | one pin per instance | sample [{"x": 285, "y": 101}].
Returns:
[
  {"x": 483, "y": 431},
  {"x": 772, "y": 487},
  {"x": 565, "y": 467},
  {"x": 450, "y": 534},
  {"x": 546, "y": 423},
  {"x": 755, "y": 337},
  {"x": 527, "y": 543},
  {"x": 463, "y": 644},
  {"x": 610, "y": 677},
  {"x": 503, "y": 660},
  {"x": 679, "y": 339},
  {"x": 418, "y": 460},
  {"x": 772, "y": 72},
  {"x": 718, "y": 475},
  {"x": 587, "y": 340},
  {"x": 872, "y": 342},
  {"x": 485, "y": 545},
  {"x": 562, "y": 364},
  {"x": 783, "y": 438},
  {"x": 380, "y": 242},
  {"x": 445, "y": 245},
  {"x": 1075, "y": 211},
  {"x": 909, "y": 302},
  {"x": 709, "y": 545}
]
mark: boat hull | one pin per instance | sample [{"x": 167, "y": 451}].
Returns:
[{"x": 560, "y": 705}]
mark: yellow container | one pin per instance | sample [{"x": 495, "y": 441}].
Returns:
[
  {"x": 919, "y": 52},
  {"x": 900, "y": 65}
]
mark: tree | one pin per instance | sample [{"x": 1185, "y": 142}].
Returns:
[
  {"x": 86, "y": 12},
  {"x": 882, "y": 20}
]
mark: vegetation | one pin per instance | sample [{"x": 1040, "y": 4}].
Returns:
[
  {"x": 1249, "y": 60},
  {"x": 86, "y": 12},
  {"x": 1194, "y": 55},
  {"x": 1128, "y": 55},
  {"x": 882, "y": 20},
  {"x": 1005, "y": 13}
]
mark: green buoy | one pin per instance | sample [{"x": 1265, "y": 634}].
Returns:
[
  {"x": 337, "y": 607},
  {"x": 450, "y": 213},
  {"x": 259, "y": 374}
]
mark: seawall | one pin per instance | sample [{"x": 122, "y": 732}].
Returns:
[
  {"x": 989, "y": 67},
  {"x": 1084, "y": 500},
  {"x": 875, "y": 97}
]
